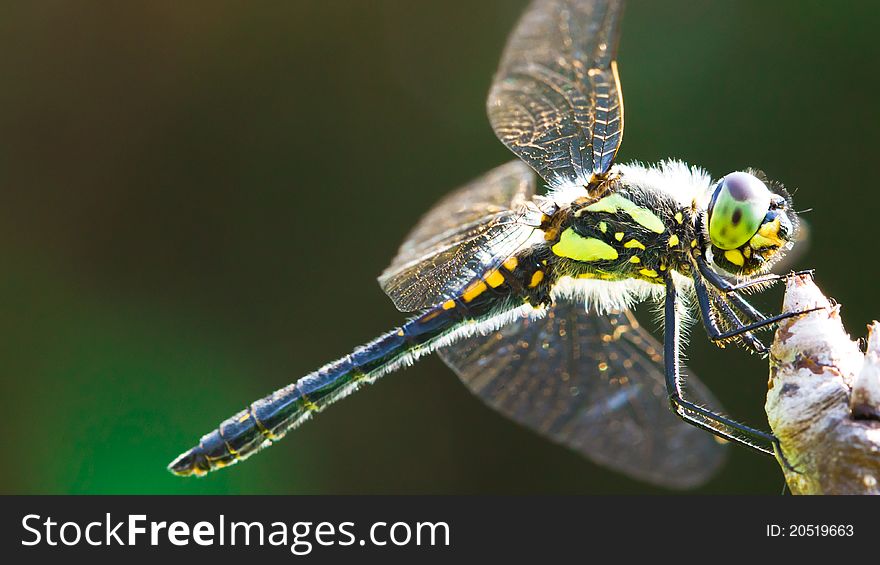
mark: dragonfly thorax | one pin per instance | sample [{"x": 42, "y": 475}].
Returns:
[
  {"x": 650, "y": 220},
  {"x": 628, "y": 232}
]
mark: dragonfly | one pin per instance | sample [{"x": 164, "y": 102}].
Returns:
[{"x": 527, "y": 296}]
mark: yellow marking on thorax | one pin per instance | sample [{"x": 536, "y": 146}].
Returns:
[
  {"x": 537, "y": 277},
  {"x": 602, "y": 275},
  {"x": 619, "y": 236},
  {"x": 635, "y": 259},
  {"x": 649, "y": 273},
  {"x": 511, "y": 263},
  {"x": 693, "y": 244},
  {"x": 641, "y": 215},
  {"x": 634, "y": 244},
  {"x": 673, "y": 240},
  {"x": 494, "y": 279},
  {"x": 679, "y": 217},
  {"x": 735, "y": 257},
  {"x": 580, "y": 248},
  {"x": 603, "y": 227},
  {"x": 474, "y": 290},
  {"x": 449, "y": 305}
]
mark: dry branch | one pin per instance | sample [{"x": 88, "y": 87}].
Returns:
[{"x": 823, "y": 401}]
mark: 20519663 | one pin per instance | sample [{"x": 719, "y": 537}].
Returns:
[{"x": 810, "y": 530}]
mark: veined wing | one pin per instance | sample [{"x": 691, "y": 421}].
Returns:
[
  {"x": 469, "y": 231},
  {"x": 556, "y": 99},
  {"x": 594, "y": 384}
]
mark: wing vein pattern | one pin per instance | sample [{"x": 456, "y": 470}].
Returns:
[
  {"x": 468, "y": 232},
  {"x": 594, "y": 384},
  {"x": 556, "y": 100}
]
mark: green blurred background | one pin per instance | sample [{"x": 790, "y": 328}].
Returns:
[{"x": 197, "y": 197}]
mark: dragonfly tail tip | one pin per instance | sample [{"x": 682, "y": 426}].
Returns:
[{"x": 190, "y": 463}]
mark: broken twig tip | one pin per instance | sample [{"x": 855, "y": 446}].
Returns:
[{"x": 824, "y": 397}]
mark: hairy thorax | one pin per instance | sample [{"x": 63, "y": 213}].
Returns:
[{"x": 625, "y": 233}]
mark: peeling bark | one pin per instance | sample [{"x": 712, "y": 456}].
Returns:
[{"x": 823, "y": 401}]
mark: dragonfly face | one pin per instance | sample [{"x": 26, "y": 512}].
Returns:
[
  {"x": 526, "y": 296},
  {"x": 749, "y": 225}
]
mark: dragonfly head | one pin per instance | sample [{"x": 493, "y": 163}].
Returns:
[{"x": 750, "y": 223}]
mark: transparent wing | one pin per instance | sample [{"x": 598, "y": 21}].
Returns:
[
  {"x": 469, "y": 231},
  {"x": 556, "y": 100},
  {"x": 592, "y": 383}
]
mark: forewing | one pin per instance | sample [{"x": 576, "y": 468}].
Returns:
[
  {"x": 470, "y": 230},
  {"x": 556, "y": 100},
  {"x": 595, "y": 384}
]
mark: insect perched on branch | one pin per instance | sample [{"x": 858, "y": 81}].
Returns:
[{"x": 526, "y": 297}]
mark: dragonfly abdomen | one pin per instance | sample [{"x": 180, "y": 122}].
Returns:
[{"x": 270, "y": 418}]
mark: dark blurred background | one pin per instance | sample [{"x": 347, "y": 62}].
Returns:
[{"x": 197, "y": 197}]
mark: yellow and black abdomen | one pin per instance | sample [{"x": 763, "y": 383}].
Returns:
[{"x": 269, "y": 419}]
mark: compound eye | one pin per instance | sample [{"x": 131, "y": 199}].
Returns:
[{"x": 737, "y": 210}]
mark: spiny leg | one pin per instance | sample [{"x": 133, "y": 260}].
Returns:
[
  {"x": 739, "y": 329},
  {"x": 764, "y": 323},
  {"x": 730, "y": 314},
  {"x": 714, "y": 332},
  {"x": 758, "y": 319},
  {"x": 729, "y": 288},
  {"x": 696, "y": 415},
  {"x": 723, "y": 285},
  {"x": 767, "y": 279},
  {"x": 745, "y": 307}
]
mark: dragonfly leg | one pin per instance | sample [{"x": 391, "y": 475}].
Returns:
[
  {"x": 768, "y": 279},
  {"x": 758, "y": 320},
  {"x": 747, "y": 309},
  {"x": 709, "y": 322},
  {"x": 744, "y": 329},
  {"x": 730, "y": 290},
  {"x": 704, "y": 418},
  {"x": 727, "y": 287}
]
